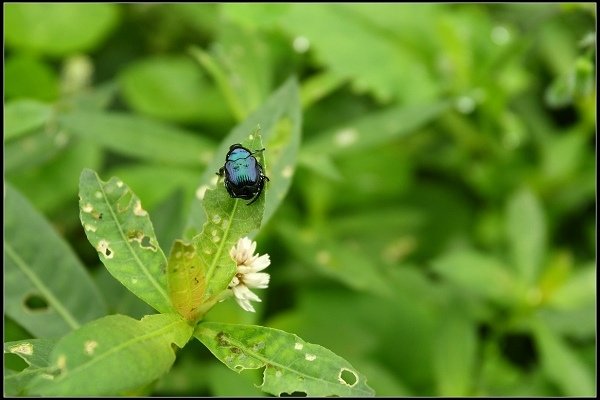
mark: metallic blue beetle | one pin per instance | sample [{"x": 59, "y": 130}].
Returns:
[{"x": 244, "y": 176}]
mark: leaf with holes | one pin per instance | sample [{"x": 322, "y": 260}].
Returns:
[
  {"x": 280, "y": 126},
  {"x": 186, "y": 273},
  {"x": 291, "y": 364},
  {"x": 227, "y": 220},
  {"x": 111, "y": 355},
  {"x": 40, "y": 272},
  {"x": 36, "y": 353},
  {"x": 121, "y": 231}
]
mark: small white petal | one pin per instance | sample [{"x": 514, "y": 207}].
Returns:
[
  {"x": 261, "y": 263},
  {"x": 258, "y": 280},
  {"x": 245, "y": 304},
  {"x": 242, "y": 292}
]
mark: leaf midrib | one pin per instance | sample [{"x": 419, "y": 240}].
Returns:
[
  {"x": 135, "y": 256},
  {"x": 213, "y": 264},
  {"x": 268, "y": 362},
  {"x": 112, "y": 350}
]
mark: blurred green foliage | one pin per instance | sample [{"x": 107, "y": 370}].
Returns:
[{"x": 440, "y": 230}]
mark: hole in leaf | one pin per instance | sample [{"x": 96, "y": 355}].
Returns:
[
  {"x": 35, "y": 302},
  {"x": 147, "y": 243},
  {"x": 348, "y": 377},
  {"x": 293, "y": 394},
  {"x": 14, "y": 362}
]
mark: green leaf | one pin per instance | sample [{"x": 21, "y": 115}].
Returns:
[
  {"x": 58, "y": 29},
  {"x": 280, "y": 126},
  {"x": 139, "y": 137},
  {"x": 121, "y": 231},
  {"x": 27, "y": 77},
  {"x": 217, "y": 71},
  {"x": 373, "y": 129},
  {"x": 112, "y": 355},
  {"x": 23, "y": 116},
  {"x": 227, "y": 221},
  {"x": 243, "y": 73},
  {"x": 186, "y": 279},
  {"x": 33, "y": 149},
  {"x": 335, "y": 260},
  {"x": 318, "y": 86},
  {"x": 454, "y": 357},
  {"x": 526, "y": 232},
  {"x": 291, "y": 364},
  {"x": 54, "y": 184},
  {"x": 561, "y": 364},
  {"x": 578, "y": 292},
  {"x": 36, "y": 353},
  {"x": 402, "y": 75},
  {"x": 40, "y": 269},
  {"x": 478, "y": 274},
  {"x": 172, "y": 88}
]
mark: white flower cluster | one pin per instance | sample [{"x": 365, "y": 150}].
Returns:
[{"x": 248, "y": 276}]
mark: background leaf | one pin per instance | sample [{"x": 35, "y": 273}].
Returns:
[
  {"x": 172, "y": 88},
  {"x": 292, "y": 365},
  {"x": 40, "y": 269},
  {"x": 526, "y": 231},
  {"x": 58, "y": 29},
  {"x": 120, "y": 230},
  {"x": 455, "y": 355},
  {"x": 113, "y": 354},
  {"x": 23, "y": 116},
  {"x": 139, "y": 137},
  {"x": 561, "y": 364}
]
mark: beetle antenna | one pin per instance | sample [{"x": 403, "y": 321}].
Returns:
[{"x": 258, "y": 151}]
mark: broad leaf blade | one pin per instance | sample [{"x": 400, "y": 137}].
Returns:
[
  {"x": 40, "y": 265},
  {"x": 374, "y": 129},
  {"x": 186, "y": 278},
  {"x": 121, "y": 231},
  {"x": 526, "y": 232},
  {"x": 455, "y": 355},
  {"x": 335, "y": 260},
  {"x": 561, "y": 364},
  {"x": 228, "y": 220},
  {"x": 139, "y": 137},
  {"x": 23, "y": 116},
  {"x": 113, "y": 354},
  {"x": 280, "y": 126},
  {"x": 36, "y": 353},
  {"x": 291, "y": 364},
  {"x": 479, "y": 275}
]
